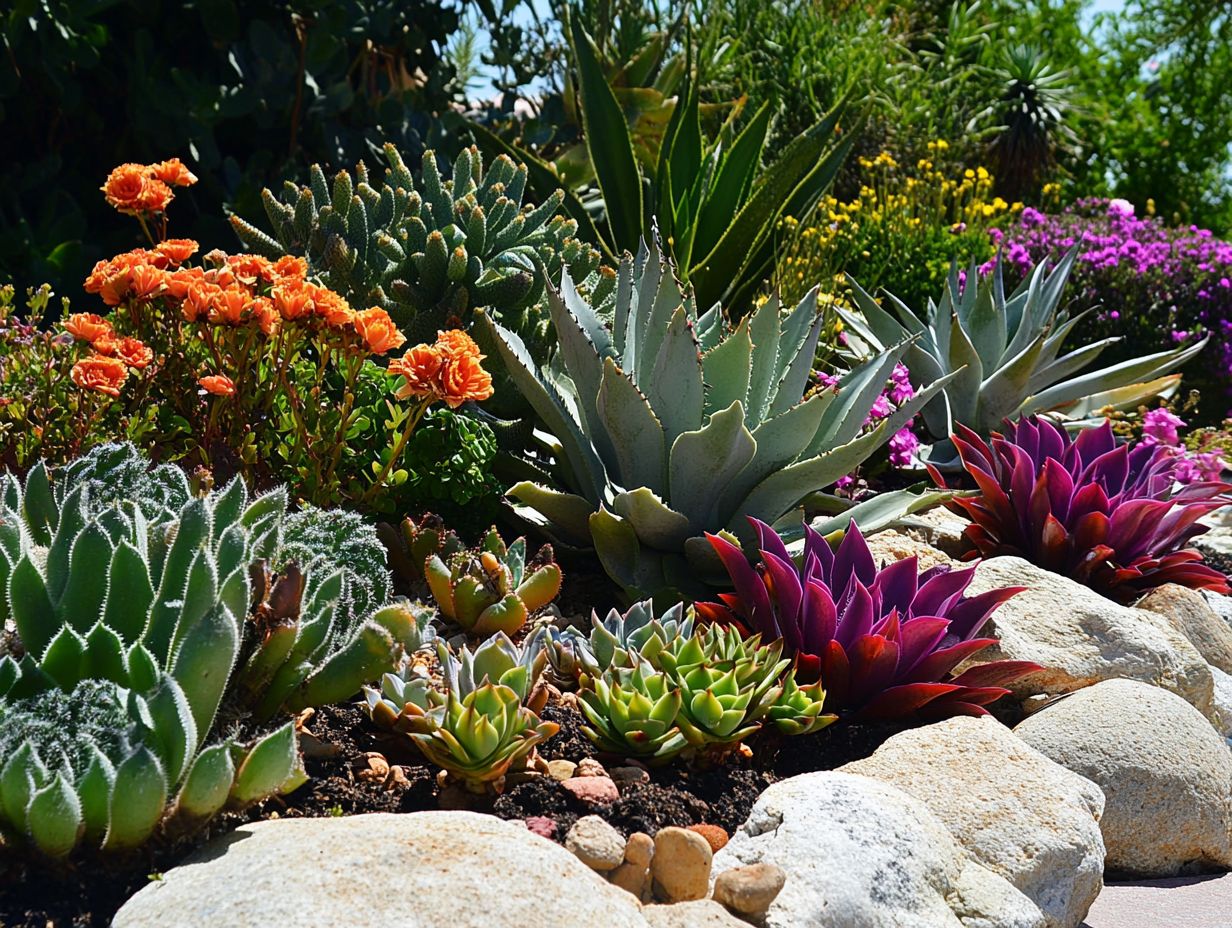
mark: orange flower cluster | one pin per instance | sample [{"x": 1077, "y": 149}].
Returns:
[
  {"x": 449, "y": 370},
  {"x": 141, "y": 189},
  {"x": 107, "y": 368},
  {"x": 217, "y": 384}
]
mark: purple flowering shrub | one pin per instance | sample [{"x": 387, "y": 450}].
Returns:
[
  {"x": 903, "y": 443},
  {"x": 1151, "y": 281}
]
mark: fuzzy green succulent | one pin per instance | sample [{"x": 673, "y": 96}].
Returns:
[
  {"x": 133, "y": 629},
  {"x": 1001, "y": 355},
  {"x": 666, "y": 425},
  {"x": 431, "y": 251},
  {"x": 493, "y": 588}
]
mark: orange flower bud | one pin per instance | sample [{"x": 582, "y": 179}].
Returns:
[
  {"x": 172, "y": 171},
  {"x": 217, "y": 384},
  {"x": 419, "y": 368},
  {"x": 378, "y": 330},
  {"x": 87, "y": 327},
  {"x": 103, "y": 375}
]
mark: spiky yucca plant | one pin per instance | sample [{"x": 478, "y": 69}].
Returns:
[
  {"x": 668, "y": 425},
  {"x": 431, "y": 250},
  {"x": 884, "y": 641},
  {"x": 1105, "y": 513},
  {"x": 1004, "y": 353}
]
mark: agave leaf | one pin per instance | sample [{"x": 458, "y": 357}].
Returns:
[
  {"x": 705, "y": 460},
  {"x": 675, "y": 387},
  {"x": 1127, "y": 397},
  {"x": 567, "y": 513},
  {"x": 656, "y": 523},
  {"x": 726, "y": 370},
  {"x": 637, "y": 436},
  {"x": 732, "y": 183},
  {"x": 798, "y": 346},
  {"x": 767, "y": 367}
]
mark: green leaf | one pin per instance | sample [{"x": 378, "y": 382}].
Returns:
[
  {"x": 82, "y": 600},
  {"x": 675, "y": 390},
  {"x": 704, "y": 462},
  {"x": 64, "y": 658},
  {"x": 203, "y": 663},
  {"x": 208, "y": 784},
  {"x": 269, "y": 768},
  {"x": 731, "y": 185},
  {"x": 558, "y": 512},
  {"x": 138, "y": 799},
  {"x": 129, "y": 593},
  {"x": 94, "y": 790},
  {"x": 39, "y": 505},
  {"x": 174, "y": 729},
  {"x": 104, "y": 656},
  {"x": 54, "y": 818},
  {"x": 637, "y": 436},
  {"x": 33, "y": 614},
  {"x": 726, "y": 369},
  {"x": 608, "y": 142},
  {"x": 656, "y": 523}
]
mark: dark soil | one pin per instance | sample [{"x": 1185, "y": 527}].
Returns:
[{"x": 89, "y": 893}]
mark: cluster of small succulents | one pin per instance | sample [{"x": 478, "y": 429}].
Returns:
[
  {"x": 480, "y": 721},
  {"x": 131, "y": 597}
]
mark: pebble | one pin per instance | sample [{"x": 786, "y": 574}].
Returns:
[
  {"x": 715, "y": 836},
  {"x": 541, "y": 825},
  {"x": 632, "y": 878},
  {"x": 628, "y": 776},
  {"x": 639, "y": 849},
  {"x": 749, "y": 890},
  {"x": 592, "y": 789},
  {"x": 681, "y": 865},
  {"x": 371, "y": 766},
  {"x": 596, "y": 843},
  {"x": 561, "y": 769},
  {"x": 589, "y": 767}
]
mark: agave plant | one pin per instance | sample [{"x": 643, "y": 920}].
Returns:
[
  {"x": 668, "y": 426},
  {"x": 132, "y": 616},
  {"x": 884, "y": 641},
  {"x": 477, "y": 725},
  {"x": 493, "y": 589},
  {"x": 1004, "y": 353},
  {"x": 1093, "y": 508},
  {"x": 430, "y": 251}
]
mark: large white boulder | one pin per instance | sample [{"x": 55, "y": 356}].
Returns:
[
  {"x": 424, "y": 870},
  {"x": 1081, "y": 638},
  {"x": 1166, "y": 774},
  {"x": 860, "y": 852},
  {"x": 1191, "y": 614},
  {"x": 1014, "y": 811}
]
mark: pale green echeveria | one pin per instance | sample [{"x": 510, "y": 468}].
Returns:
[
  {"x": 1001, "y": 355},
  {"x": 641, "y": 628},
  {"x": 666, "y": 425},
  {"x": 634, "y": 713}
]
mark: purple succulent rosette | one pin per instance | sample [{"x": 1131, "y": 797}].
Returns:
[
  {"x": 884, "y": 642},
  {"x": 1093, "y": 508}
]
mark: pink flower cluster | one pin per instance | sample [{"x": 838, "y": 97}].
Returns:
[
  {"x": 1161, "y": 427},
  {"x": 903, "y": 443}
]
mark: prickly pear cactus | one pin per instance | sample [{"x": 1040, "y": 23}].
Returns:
[{"x": 429, "y": 252}]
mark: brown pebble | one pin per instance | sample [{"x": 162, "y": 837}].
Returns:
[
  {"x": 561, "y": 769},
  {"x": 593, "y": 790},
  {"x": 715, "y": 836},
  {"x": 397, "y": 778},
  {"x": 639, "y": 849},
  {"x": 681, "y": 865},
  {"x": 589, "y": 767},
  {"x": 371, "y": 766},
  {"x": 628, "y": 776},
  {"x": 749, "y": 890},
  {"x": 632, "y": 878}
]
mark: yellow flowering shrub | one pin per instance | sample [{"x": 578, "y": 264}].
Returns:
[{"x": 901, "y": 232}]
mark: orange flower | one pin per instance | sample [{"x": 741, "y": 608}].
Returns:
[
  {"x": 420, "y": 368},
  {"x": 88, "y": 327},
  {"x": 463, "y": 378},
  {"x": 133, "y": 352},
  {"x": 148, "y": 281},
  {"x": 293, "y": 299},
  {"x": 455, "y": 344},
  {"x": 181, "y": 280},
  {"x": 218, "y": 384},
  {"x": 177, "y": 250},
  {"x": 125, "y": 188},
  {"x": 228, "y": 306},
  {"x": 331, "y": 307},
  {"x": 198, "y": 300},
  {"x": 103, "y": 375},
  {"x": 378, "y": 330},
  {"x": 115, "y": 287},
  {"x": 172, "y": 171},
  {"x": 249, "y": 269},
  {"x": 155, "y": 197},
  {"x": 291, "y": 266},
  {"x": 266, "y": 316}
]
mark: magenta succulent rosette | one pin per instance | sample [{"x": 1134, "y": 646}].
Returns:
[
  {"x": 1105, "y": 513},
  {"x": 884, "y": 642}
]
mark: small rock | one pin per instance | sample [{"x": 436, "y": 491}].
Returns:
[
  {"x": 715, "y": 836},
  {"x": 593, "y": 790},
  {"x": 521, "y": 775},
  {"x": 629, "y": 776},
  {"x": 890, "y": 546},
  {"x": 561, "y": 769},
  {"x": 681, "y": 865},
  {"x": 541, "y": 825},
  {"x": 632, "y": 878},
  {"x": 749, "y": 890},
  {"x": 1166, "y": 773},
  {"x": 596, "y": 843},
  {"x": 701, "y": 913},
  {"x": 370, "y": 766},
  {"x": 589, "y": 767},
  {"x": 639, "y": 849},
  {"x": 397, "y": 778}
]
